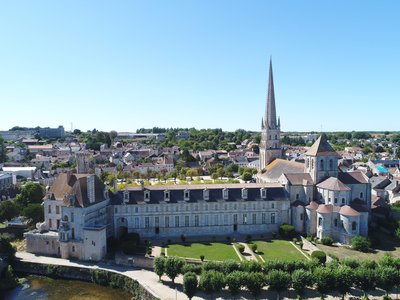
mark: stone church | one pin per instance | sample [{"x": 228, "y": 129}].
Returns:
[{"x": 81, "y": 214}]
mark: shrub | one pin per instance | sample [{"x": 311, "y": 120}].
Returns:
[
  {"x": 254, "y": 248},
  {"x": 274, "y": 235},
  {"x": 230, "y": 266},
  {"x": 190, "y": 284},
  {"x": 191, "y": 268},
  {"x": 255, "y": 281},
  {"x": 213, "y": 265},
  {"x": 183, "y": 238},
  {"x": 278, "y": 280},
  {"x": 240, "y": 248},
  {"x": 319, "y": 255},
  {"x": 100, "y": 277},
  {"x": 360, "y": 243},
  {"x": 250, "y": 266},
  {"x": 202, "y": 257},
  {"x": 235, "y": 281},
  {"x": 212, "y": 281},
  {"x": 323, "y": 279},
  {"x": 327, "y": 241},
  {"x": 8, "y": 280},
  {"x": 287, "y": 231},
  {"x": 300, "y": 280}
]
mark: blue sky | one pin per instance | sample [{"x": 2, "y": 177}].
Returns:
[{"x": 122, "y": 65}]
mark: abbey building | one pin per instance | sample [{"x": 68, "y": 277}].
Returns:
[{"x": 81, "y": 214}]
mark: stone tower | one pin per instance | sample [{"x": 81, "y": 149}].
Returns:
[
  {"x": 82, "y": 162},
  {"x": 321, "y": 160},
  {"x": 270, "y": 146}
]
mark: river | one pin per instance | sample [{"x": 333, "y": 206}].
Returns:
[{"x": 44, "y": 288}]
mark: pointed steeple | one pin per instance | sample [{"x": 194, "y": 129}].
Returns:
[{"x": 270, "y": 111}]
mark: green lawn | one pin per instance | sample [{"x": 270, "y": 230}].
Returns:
[
  {"x": 278, "y": 250},
  {"x": 387, "y": 244},
  {"x": 211, "y": 251},
  {"x": 2, "y": 225}
]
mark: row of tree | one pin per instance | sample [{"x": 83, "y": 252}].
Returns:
[{"x": 213, "y": 277}]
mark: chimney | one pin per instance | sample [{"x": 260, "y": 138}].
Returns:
[
  {"x": 115, "y": 186},
  {"x": 142, "y": 185},
  {"x": 90, "y": 188}
]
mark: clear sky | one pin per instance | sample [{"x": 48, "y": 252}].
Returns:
[{"x": 123, "y": 65}]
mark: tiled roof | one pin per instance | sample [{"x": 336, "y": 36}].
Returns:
[
  {"x": 312, "y": 205},
  {"x": 321, "y": 147},
  {"x": 280, "y": 166},
  {"x": 76, "y": 184},
  {"x": 348, "y": 211},
  {"x": 299, "y": 178},
  {"x": 333, "y": 184}
]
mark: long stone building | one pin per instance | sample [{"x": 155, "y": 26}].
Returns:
[{"x": 81, "y": 213}]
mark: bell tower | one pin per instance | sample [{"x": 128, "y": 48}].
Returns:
[{"x": 270, "y": 145}]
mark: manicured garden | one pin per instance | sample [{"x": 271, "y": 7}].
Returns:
[
  {"x": 211, "y": 251},
  {"x": 278, "y": 250}
]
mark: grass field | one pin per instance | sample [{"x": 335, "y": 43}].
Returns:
[
  {"x": 387, "y": 244},
  {"x": 278, "y": 250},
  {"x": 211, "y": 251}
]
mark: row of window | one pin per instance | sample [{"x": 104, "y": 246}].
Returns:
[
  {"x": 336, "y": 223},
  {"x": 206, "y": 220},
  {"x": 196, "y": 207},
  {"x": 186, "y": 194},
  {"x": 57, "y": 209}
]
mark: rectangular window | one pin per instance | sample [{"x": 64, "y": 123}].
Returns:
[
  {"x": 235, "y": 219},
  {"x": 57, "y": 209},
  {"x": 157, "y": 221},
  {"x": 273, "y": 218},
  {"x": 58, "y": 224},
  {"x": 244, "y": 218},
  {"x": 146, "y": 222},
  {"x": 263, "y": 220},
  {"x": 72, "y": 217},
  {"x": 136, "y": 222},
  {"x": 50, "y": 223},
  {"x": 254, "y": 219},
  {"x": 206, "y": 220},
  {"x": 186, "y": 221},
  {"x": 215, "y": 219},
  {"x": 196, "y": 220},
  {"x": 49, "y": 211},
  {"x": 176, "y": 221},
  {"x": 167, "y": 221},
  {"x": 226, "y": 219},
  {"x": 73, "y": 233}
]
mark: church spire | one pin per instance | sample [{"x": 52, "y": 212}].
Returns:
[{"x": 270, "y": 111}]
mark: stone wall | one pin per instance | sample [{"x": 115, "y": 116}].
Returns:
[{"x": 98, "y": 276}]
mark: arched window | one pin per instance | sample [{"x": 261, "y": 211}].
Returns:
[
  {"x": 361, "y": 195},
  {"x": 354, "y": 226},
  {"x": 321, "y": 164},
  {"x": 319, "y": 221},
  {"x": 276, "y": 136},
  {"x": 336, "y": 222}
]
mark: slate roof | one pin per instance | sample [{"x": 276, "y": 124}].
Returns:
[
  {"x": 333, "y": 184},
  {"x": 321, "y": 147},
  {"x": 76, "y": 184},
  {"x": 354, "y": 177},
  {"x": 136, "y": 194}
]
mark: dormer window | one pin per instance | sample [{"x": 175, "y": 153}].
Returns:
[
  {"x": 206, "y": 194},
  {"x": 225, "y": 194},
  {"x": 263, "y": 192},
  {"x": 244, "y": 193},
  {"x": 186, "y": 195},
  {"x": 147, "y": 196},
  {"x": 167, "y": 195},
  {"x": 126, "y": 196}
]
